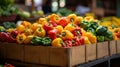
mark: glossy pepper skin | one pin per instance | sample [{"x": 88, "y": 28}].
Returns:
[
  {"x": 28, "y": 39},
  {"x": 72, "y": 17},
  {"x": 53, "y": 33},
  {"x": 77, "y": 31},
  {"x": 46, "y": 41},
  {"x": 63, "y": 21},
  {"x": 54, "y": 18},
  {"x": 36, "y": 40},
  {"x": 100, "y": 38},
  {"x": 57, "y": 42},
  {"x": 40, "y": 32},
  {"x": 14, "y": 33},
  {"x": 78, "y": 20},
  {"x": 3, "y": 36},
  {"x": 86, "y": 40},
  {"x": 67, "y": 35},
  {"x": 20, "y": 38},
  {"x": 48, "y": 27},
  {"x": 10, "y": 38},
  {"x": 85, "y": 25},
  {"x": 59, "y": 28},
  {"x": 67, "y": 43},
  {"x": 70, "y": 27}
]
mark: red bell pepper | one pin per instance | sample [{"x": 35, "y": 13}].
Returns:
[
  {"x": 53, "y": 23},
  {"x": 77, "y": 31},
  {"x": 53, "y": 33},
  {"x": 10, "y": 39},
  {"x": 67, "y": 43},
  {"x": 8, "y": 65},
  {"x": 14, "y": 33},
  {"x": 82, "y": 40},
  {"x": 63, "y": 21},
  {"x": 3, "y": 36},
  {"x": 48, "y": 27}
]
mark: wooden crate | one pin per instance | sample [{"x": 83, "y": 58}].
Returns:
[
  {"x": 90, "y": 52},
  {"x": 67, "y": 57},
  {"x": 15, "y": 51},
  {"x": 36, "y": 54},
  {"x": 102, "y": 49},
  {"x": 112, "y": 47},
  {"x": 2, "y": 50},
  {"x": 118, "y": 46}
]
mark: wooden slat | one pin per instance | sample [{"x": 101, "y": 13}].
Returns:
[
  {"x": 90, "y": 52},
  {"x": 2, "y": 50},
  {"x": 77, "y": 55},
  {"x": 118, "y": 46},
  {"x": 15, "y": 51},
  {"x": 102, "y": 49},
  {"x": 112, "y": 47}
]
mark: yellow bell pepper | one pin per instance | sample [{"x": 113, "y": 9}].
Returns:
[
  {"x": 67, "y": 35},
  {"x": 26, "y": 24},
  {"x": 89, "y": 18},
  {"x": 70, "y": 27},
  {"x": 59, "y": 28},
  {"x": 54, "y": 18},
  {"x": 28, "y": 32},
  {"x": 34, "y": 26},
  {"x": 86, "y": 40},
  {"x": 78, "y": 20},
  {"x": 20, "y": 38},
  {"x": 28, "y": 39},
  {"x": 57, "y": 42},
  {"x": 20, "y": 28},
  {"x": 40, "y": 32},
  {"x": 72, "y": 17},
  {"x": 42, "y": 21},
  {"x": 91, "y": 37}
]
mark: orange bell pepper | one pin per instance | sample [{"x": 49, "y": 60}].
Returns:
[
  {"x": 20, "y": 38},
  {"x": 40, "y": 32},
  {"x": 28, "y": 39},
  {"x": 67, "y": 35},
  {"x": 91, "y": 37},
  {"x": 26, "y": 24},
  {"x": 54, "y": 18},
  {"x": 70, "y": 27}
]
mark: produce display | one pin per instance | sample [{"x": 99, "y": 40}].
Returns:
[{"x": 54, "y": 30}]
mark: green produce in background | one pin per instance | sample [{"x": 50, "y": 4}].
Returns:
[
  {"x": 101, "y": 30},
  {"x": 2, "y": 29}
]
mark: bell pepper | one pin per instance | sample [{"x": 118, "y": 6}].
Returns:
[
  {"x": 42, "y": 21},
  {"x": 86, "y": 40},
  {"x": 10, "y": 39},
  {"x": 84, "y": 25},
  {"x": 9, "y": 30},
  {"x": 46, "y": 41},
  {"x": 14, "y": 33},
  {"x": 53, "y": 23},
  {"x": 94, "y": 25},
  {"x": 8, "y": 25},
  {"x": 70, "y": 27},
  {"x": 26, "y": 24},
  {"x": 63, "y": 21},
  {"x": 100, "y": 38},
  {"x": 40, "y": 32},
  {"x": 67, "y": 35},
  {"x": 8, "y": 65},
  {"x": 2, "y": 29},
  {"x": 59, "y": 28},
  {"x": 108, "y": 35},
  {"x": 28, "y": 32},
  {"x": 77, "y": 31},
  {"x": 54, "y": 18},
  {"x": 57, "y": 42},
  {"x": 28, "y": 39},
  {"x": 89, "y": 18},
  {"x": 20, "y": 38},
  {"x": 48, "y": 27},
  {"x": 36, "y": 40},
  {"x": 3, "y": 36},
  {"x": 78, "y": 20},
  {"x": 72, "y": 17},
  {"x": 91, "y": 37},
  {"x": 76, "y": 41},
  {"x": 20, "y": 28},
  {"x": 34, "y": 26},
  {"x": 53, "y": 33},
  {"x": 67, "y": 43},
  {"x": 101, "y": 30},
  {"x": 82, "y": 40},
  {"x": 90, "y": 29}
]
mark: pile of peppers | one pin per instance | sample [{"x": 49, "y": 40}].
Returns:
[{"x": 57, "y": 31}]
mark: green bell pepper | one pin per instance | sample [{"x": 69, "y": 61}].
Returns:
[
  {"x": 46, "y": 41},
  {"x": 101, "y": 30},
  {"x": 100, "y": 38},
  {"x": 36, "y": 40},
  {"x": 90, "y": 29},
  {"x": 84, "y": 25}
]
